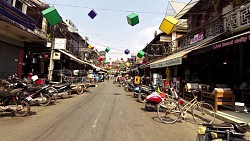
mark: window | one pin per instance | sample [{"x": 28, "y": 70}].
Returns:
[
  {"x": 9, "y": 1},
  {"x": 19, "y": 5}
]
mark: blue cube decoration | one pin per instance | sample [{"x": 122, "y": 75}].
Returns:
[
  {"x": 133, "y": 19},
  {"x": 92, "y": 14},
  {"x": 126, "y": 51}
]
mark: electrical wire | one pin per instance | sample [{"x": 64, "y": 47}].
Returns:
[
  {"x": 106, "y": 9},
  {"x": 113, "y": 39}
]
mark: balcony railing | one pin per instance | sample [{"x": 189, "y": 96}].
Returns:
[
  {"x": 238, "y": 19},
  {"x": 211, "y": 28},
  {"x": 18, "y": 18}
]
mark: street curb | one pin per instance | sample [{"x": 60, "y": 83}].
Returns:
[{"x": 228, "y": 118}]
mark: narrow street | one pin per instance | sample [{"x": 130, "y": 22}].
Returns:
[{"x": 104, "y": 113}]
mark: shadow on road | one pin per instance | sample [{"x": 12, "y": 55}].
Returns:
[{"x": 117, "y": 94}]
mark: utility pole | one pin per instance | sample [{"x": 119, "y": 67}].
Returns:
[{"x": 51, "y": 60}]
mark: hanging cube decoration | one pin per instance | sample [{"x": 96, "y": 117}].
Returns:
[
  {"x": 133, "y": 19},
  {"x": 52, "y": 15},
  {"x": 127, "y": 64},
  {"x": 92, "y": 14},
  {"x": 168, "y": 24},
  {"x": 105, "y": 62},
  {"x": 100, "y": 58},
  {"x": 107, "y": 49},
  {"x": 140, "y": 54},
  {"x": 126, "y": 51}
]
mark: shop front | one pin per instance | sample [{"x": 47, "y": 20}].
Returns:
[{"x": 224, "y": 65}]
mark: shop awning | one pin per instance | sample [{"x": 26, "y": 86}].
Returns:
[
  {"x": 98, "y": 68},
  {"x": 176, "y": 58},
  {"x": 191, "y": 4},
  {"x": 73, "y": 57}
]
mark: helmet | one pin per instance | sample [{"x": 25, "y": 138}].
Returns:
[{"x": 30, "y": 74}]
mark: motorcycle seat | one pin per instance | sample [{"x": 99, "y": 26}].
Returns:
[
  {"x": 61, "y": 85},
  {"x": 33, "y": 89},
  {"x": 241, "y": 127},
  {"x": 222, "y": 126}
]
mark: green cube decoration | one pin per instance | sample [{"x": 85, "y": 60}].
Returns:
[
  {"x": 133, "y": 19},
  {"x": 140, "y": 54},
  {"x": 52, "y": 16},
  {"x": 107, "y": 49}
]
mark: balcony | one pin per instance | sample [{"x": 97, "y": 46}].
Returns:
[
  {"x": 237, "y": 19},
  {"x": 210, "y": 28},
  {"x": 15, "y": 24}
]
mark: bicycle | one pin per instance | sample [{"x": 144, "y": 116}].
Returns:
[{"x": 170, "y": 110}]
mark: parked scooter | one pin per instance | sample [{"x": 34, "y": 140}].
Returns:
[
  {"x": 144, "y": 92},
  {"x": 34, "y": 94},
  {"x": 224, "y": 132},
  {"x": 61, "y": 90},
  {"x": 129, "y": 87},
  {"x": 155, "y": 98},
  {"x": 13, "y": 101}
]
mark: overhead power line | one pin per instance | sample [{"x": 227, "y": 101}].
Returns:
[{"x": 106, "y": 9}]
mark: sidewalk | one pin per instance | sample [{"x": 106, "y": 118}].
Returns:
[{"x": 232, "y": 116}]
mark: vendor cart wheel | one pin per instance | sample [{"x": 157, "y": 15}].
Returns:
[{"x": 80, "y": 89}]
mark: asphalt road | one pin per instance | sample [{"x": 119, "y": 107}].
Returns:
[{"x": 104, "y": 113}]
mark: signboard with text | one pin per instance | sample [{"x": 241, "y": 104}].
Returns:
[{"x": 234, "y": 41}]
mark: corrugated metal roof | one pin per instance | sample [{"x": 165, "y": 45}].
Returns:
[
  {"x": 186, "y": 8},
  {"x": 177, "y": 6}
]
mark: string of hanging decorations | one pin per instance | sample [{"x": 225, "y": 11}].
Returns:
[{"x": 167, "y": 25}]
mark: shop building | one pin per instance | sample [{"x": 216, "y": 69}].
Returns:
[
  {"x": 20, "y": 25},
  {"x": 214, "y": 51}
]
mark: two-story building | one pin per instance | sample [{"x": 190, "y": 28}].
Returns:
[
  {"x": 215, "y": 48},
  {"x": 21, "y": 26}
]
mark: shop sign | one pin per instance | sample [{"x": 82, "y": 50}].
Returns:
[
  {"x": 242, "y": 39},
  {"x": 16, "y": 15},
  {"x": 198, "y": 37},
  {"x": 60, "y": 43},
  {"x": 171, "y": 62}
]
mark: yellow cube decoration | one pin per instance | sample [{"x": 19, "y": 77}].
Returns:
[{"x": 168, "y": 24}]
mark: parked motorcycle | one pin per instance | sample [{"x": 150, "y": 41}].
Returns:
[
  {"x": 144, "y": 92},
  {"x": 137, "y": 90},
  {"x": 129, "y": 87},
  {"x": 61, "y": 90},
  {"x": 38, "y": 95},
  {"x": 13, "y": 101},
  {"x": 155, "y": 98},
  {"x": 224, "y": 132}
]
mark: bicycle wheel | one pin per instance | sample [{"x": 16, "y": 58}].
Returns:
[
  {"x": 203, "y": 113},
  {"x": 168, "y": 111}
]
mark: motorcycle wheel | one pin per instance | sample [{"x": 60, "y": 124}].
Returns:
[
  {"x": 80, "y": 89},
  {"x": 53, "y": 93},
  {"x": 142, "y": 97},
  {"x": 45, "y": 102},
  {"x": 23, "y": 109},
  {"x": 150, "y": 108}
]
